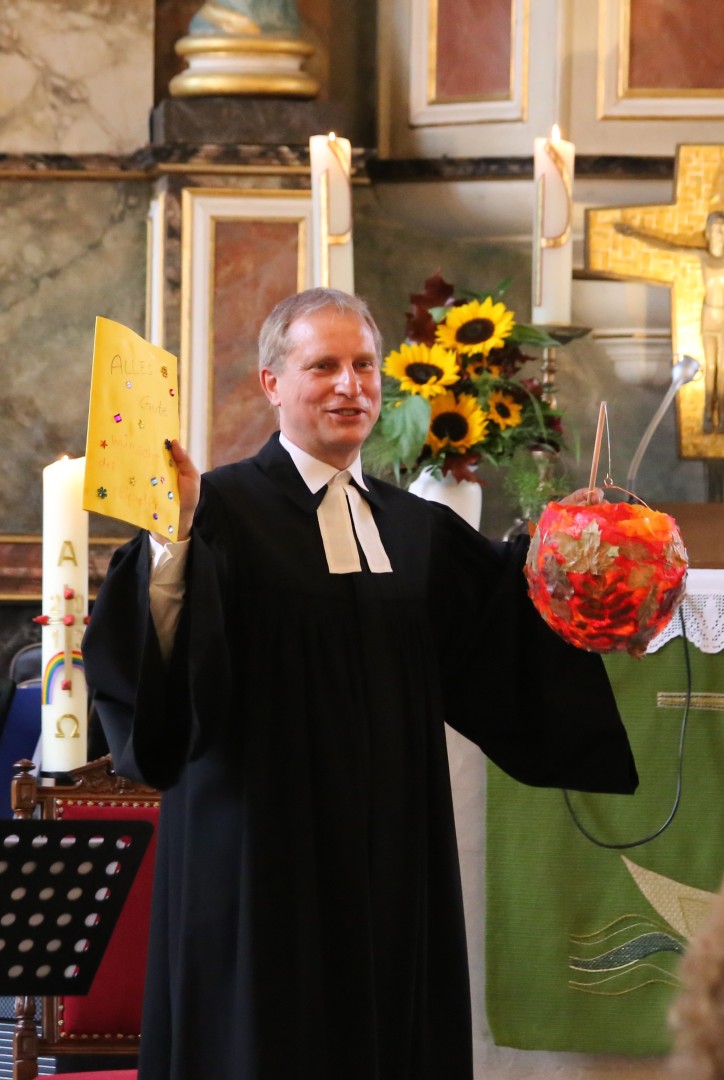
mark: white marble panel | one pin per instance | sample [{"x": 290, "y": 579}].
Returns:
[
  {"x": 69, "y": 251},
  {"x": 76, "y": 77}
]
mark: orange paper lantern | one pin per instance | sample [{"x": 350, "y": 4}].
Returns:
[{"x": 607, "y": 578}]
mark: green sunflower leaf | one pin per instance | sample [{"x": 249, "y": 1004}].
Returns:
[
  {"x": 530, "y": 335},
  {"x": 503, "y": 287},
  {"x": 405, "y": 427},
  {"x": 495, "y": 294}
]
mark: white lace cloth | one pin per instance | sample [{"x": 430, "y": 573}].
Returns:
[{"x": 703, "y": 610}]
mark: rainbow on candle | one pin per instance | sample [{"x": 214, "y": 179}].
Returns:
[{"x": 55, "y": 670}]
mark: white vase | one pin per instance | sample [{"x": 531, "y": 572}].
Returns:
[{"x": 465, "y": 497}]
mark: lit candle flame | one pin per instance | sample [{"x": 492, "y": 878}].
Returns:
[
  {"x": 555, "y": 133},
  {"x": 331, "y": 136}
]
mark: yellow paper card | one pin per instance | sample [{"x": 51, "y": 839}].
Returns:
[{"x": 133, "y": 415}]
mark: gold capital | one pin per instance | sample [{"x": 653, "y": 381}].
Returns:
[{"x": 67, "y": 553}]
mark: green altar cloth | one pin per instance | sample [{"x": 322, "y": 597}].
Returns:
[{"x": 582, "y": 942}]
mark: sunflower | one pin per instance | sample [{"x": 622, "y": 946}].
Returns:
[
  {"x": 456, "y": 423},
  {"x": 476, "y": 327},
  {"x": 504, "y": 410},
  {"x": 480, "y": 365},
  {"x": 423, "y": 369}
]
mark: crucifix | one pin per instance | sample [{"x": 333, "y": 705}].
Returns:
[{"x": 679, "y": 244}]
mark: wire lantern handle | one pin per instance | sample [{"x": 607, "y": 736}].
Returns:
[{"x": 608, "y": 483}]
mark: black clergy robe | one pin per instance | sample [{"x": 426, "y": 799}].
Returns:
[{"x": 307, "y": 918}]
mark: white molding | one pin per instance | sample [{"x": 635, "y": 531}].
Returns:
[
  {"x": 423, "y": 111},
  {"x": 155, "y": 270},
  {"x": 639, "y": 357},
  {"x": 617, "y": 102},
  {"x": 410, "y": 126},
  {"x": 201, "y": 210}
]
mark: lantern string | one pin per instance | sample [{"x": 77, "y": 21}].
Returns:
[
  {"x": 679, "y": 775},
  {"x": 602, "y": 419},
  {"x": 608, "y": 481}
]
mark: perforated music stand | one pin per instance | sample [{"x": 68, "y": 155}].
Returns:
[{"x": 62, "y": 887}]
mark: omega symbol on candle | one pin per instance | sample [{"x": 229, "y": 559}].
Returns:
[{"x": 73, "y": 727}]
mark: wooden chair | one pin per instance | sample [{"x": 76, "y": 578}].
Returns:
[
  {"x": 107, "y": 1020},
  {"x": 19, "y": 735}
]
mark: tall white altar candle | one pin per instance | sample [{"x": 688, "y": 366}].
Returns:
[
  {"x": 331, "y": 165},
  {"x": 553, "y": 166},
  {"x": 64, "y": 731}
]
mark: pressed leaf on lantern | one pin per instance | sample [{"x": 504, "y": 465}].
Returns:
[{"x": 586, "y": 553}]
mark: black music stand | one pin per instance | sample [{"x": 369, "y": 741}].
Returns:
[{"x": 62, "y": 887}]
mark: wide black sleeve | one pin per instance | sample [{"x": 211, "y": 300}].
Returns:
[
  {"x": 157, "y": 716},
  {"x": 541, "y": 709}
]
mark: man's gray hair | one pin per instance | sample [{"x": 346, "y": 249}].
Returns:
[{"x": 274, "y": 344}]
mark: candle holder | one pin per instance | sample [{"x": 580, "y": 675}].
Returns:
[{"x": 564, "y": 334}]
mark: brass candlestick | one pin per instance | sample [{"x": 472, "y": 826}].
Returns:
[{"x": 563, "y": 335}]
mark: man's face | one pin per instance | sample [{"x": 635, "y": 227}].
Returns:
[
  {"x": 716, "y": 238},
  {"x": 328, "y": 393}
]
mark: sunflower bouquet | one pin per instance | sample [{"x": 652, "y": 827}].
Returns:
[{"x": 452, "y": 397}]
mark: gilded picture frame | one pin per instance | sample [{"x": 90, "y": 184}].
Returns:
[{"x": 618, "y": 96}]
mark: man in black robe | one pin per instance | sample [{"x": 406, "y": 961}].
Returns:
[{"x": 288, "y": 687}]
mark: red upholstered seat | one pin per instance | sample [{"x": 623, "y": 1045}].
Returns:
[
  {"x": 104, "y": 1074},
  {"x": 116, "y": 996},
  {"x": 106, "y": 1020}
]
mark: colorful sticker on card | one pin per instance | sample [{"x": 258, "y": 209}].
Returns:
[{"x": 130, "y": 473}]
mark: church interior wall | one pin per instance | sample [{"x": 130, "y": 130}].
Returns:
[{"x": 79, "y": 81}]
